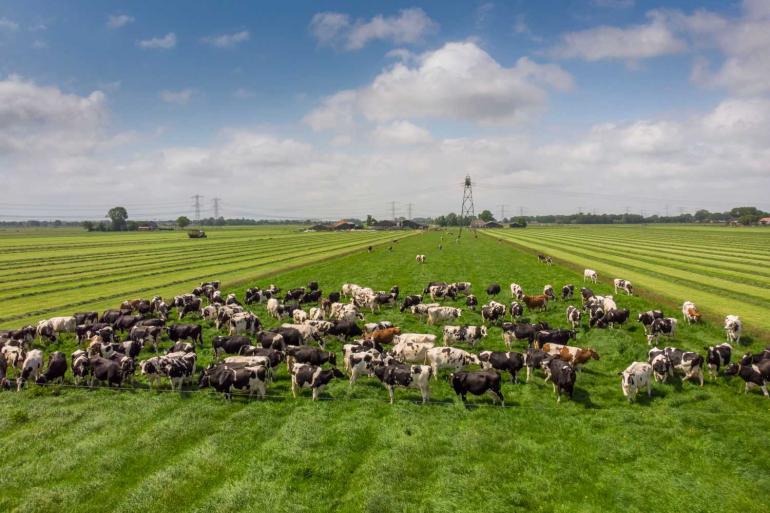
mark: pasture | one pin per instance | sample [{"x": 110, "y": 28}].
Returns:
[
  {"x": 66, "y": 449},
  {"x": 723, "y": 270}
]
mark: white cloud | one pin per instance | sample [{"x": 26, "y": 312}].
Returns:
[
  {"x": 402, "y": 133},
  {"x": 165, "y": 42},
  {"x": 8, "y": 25},
  {"x": 39, "y": 44},
  {"x": 182, "y": 97},
  {"x": 409, "y": 26},
  {"x": 651, "y": 39},
  {"x": 119, "y": 20},
  {"x": 459, "y": 81},
  {"x": 227, "y": 40}
]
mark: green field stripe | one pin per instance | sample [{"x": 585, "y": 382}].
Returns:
[
  {"x": 709, "y": 302},
  {"x": 761, "y": 293},
  {"x": 212, "y": 258},
  {"x": 31, "y": 312},
  {"x": 682, "y": 263}
]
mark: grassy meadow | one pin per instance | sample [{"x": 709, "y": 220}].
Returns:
[
  {"x": 686, "y": 449},
  {"x": 722, "y": 270}
]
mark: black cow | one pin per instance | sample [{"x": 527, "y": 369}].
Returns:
[
  {"x": 493, "y": 289},
  {"x": 294, "y": 294},
  {"x": 253, "y": 295},
  {"x": 345, "y": 329},
  {"x": 314, "y": 296},
  {"x": 229, "y": 345},
  {"x": 57, "y": 367},
  {"x": 557, "y": 336},
  {"x": 613, "y": 317},
  {"x": 178, "y": 332},
  {"x": 410, "y": 301},
  {"x": 26, "y": 335},
  {"x": 533, "y": 359},
  {"x": 718, "y": 356},
  {"x": 567, "y": 291},
  {"x": 477, "y": 383},
  {"x": 470, "y": 301},
  {"x": 309, "y": 355},
  {"x": 132, "y": 348},
  {"x": 757, "y": 374},
  {"x": 334, "y": 297},
  {"x": 84, "y": 331},
  {"x": 511, "y": 362},
  {"x": 313, "y": 377},
  {"x": 313, "y": 285},
  {"x": 126, "y": 322},
  {"x": 561, "y": 374},
  {"x": 291, "y": 336},
  {"x": 86, "y": 317},
  {"x": 522, "y": 331},
  {"x": 105, "y": 370},
  {"x": 110, "y": 316},
  {"x": 191, "y": 307},
  {"x": 160, "y": 323}
]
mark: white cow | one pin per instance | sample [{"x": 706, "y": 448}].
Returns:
[
  {"x": 243, "y": 323},
  {"x": 733, "y": 328},
  {"x": 590, "y": 274},
  {"x": 469, "y": 334},
  {"x": 422, "y": 308},
  {"x": 621, "y": 284},
  {"x": 420, "y": 259},
  {"x": 449, "y": 358},
  {"x": 608, "y": 303},
  {"x": 299, "y": 316},
  {"x": 273, "y": 307},
  {"x": 442, "y": 313},
  {"x": 517, "y": 291},
  {"x": 638, "y": 375},
  {"x": 316, "y": 314},
  {"x": 413, "y": 352},
  {"x": 31, "y": 368},
  {"x": 55, "y": 325}
]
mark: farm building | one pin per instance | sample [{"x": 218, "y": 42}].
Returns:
[
  {"x": 412, "y": 225},
  {"x": 492, "y": 224},
  {"x": 765, "y": 221},
  {"x": 343, "y": 225},
  {"x": 385, "y": 225}
]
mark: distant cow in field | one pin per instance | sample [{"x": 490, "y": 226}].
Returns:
[
  {"x": 625, "y": 285},
  {"x": 690, "y": 312},
  {"x": 590, "y": 274}
]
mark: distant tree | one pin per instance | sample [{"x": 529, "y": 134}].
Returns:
[
  {"x": 220, "y": 221},
  {"x": 441, "y": 221},
  {"x": 132, "y": 226},
  {"x": 118, "y": 216},
  {"x": 183, "y": 221},
  {"x": 748, "y": 219},
  {"x": 702, "y": 215},
  {"x": 451, "y": 219},
  {"x": 370, "y": 220},
  {"x": 486, "y": 216},
  {"x": 88, "y": 225},
  {"x": 57, "y": 223},
  {"x": 522, "y": 222}
]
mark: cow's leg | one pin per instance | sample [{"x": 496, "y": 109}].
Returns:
[
  {"x": 649, "y": 388},
  {"x": 529, "y": 371},
  {"x": 390, "y": 393},
  {"x": 764, "y": 389}
]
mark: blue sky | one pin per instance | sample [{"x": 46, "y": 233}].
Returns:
[{"x": 284, "y": 108}]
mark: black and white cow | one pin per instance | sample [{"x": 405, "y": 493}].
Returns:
[
  {"x": 557, "y": 336},
  {"x": 271, "y": 339},
  {"x": 468, "y": 334},
  {"x": 567, "y": 291},
  {"x": 311, "y": 376},
  {"x": 517, "y": 310},
  {"x": 665, "y": 327},
  {"x": 561, "y": 374},
  {"x": 181, "y": 347},
  {"x": 410, "y": 301},
  {"x": 492, "y": 312},
  {"x": 309, "y": 355},
  {"x": 624, "y": 285},
  {"x": 31, "y": 368},
  {"x": 648, "y": 317},
  {"x": 471, "y": 302},
  {"x": 510, "y": 361},
  {"x": 146, "y": 334},
  {"x": 754, "y": 375},
  {"x": 105, "y": 370},
  {"x": 586, "y": 294},
  {"x": 661, "y": 366},
  {"x": 613, "y": 317},
  {"x": 225, "y": 378},
  {"x": 573, "y": 316},
  {"x": 521, "y": 331},
  {"x": 449, "y": 358},
  {"x": 638, "y": 375},
  {"x": 126, "y": 322},
  {"x": 179, "y": 367},
  {"x": 533, "y": 360},
  {"x": 406, "y": 376},
  {"x": 689, "y": 363},
  {"x": 86, "y": 318},
  {"x": 477, "y": 383},
  {"x": 718, "y": 356},
  {"x": 81, "y": 366},
  {"x": 549, "y": 293}
]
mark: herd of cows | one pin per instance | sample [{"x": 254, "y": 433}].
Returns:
[{"x": 247, "y": 356}]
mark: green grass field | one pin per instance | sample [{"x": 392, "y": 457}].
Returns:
[
  {"x": 686, "y": 449},
  {"x": 722, "y": 270}
]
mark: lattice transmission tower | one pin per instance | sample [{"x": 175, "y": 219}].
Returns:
[{"x": 467, "y": 211}]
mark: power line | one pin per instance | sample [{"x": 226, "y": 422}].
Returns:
[
  {"x": 197, "y": 207},
  {"x": 409, "y": 209},
  {"x": 216, "y": 207}
]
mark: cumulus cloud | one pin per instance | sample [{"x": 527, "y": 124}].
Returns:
[
  {"x": 8, "y": 25},
  {"x": 181, "y": 97},
  {"x": 119, "y": 20},
  {"x": 459, "y": 81},
  {"x": 337, "y": 29},
  {"x": 643, "y": 41},
  {"x": 402, "y": 133},
  {"x": 165, "y": 42},
  {"x": 227, "y": 40}
]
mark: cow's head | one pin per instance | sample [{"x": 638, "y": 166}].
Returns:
[
  {"x": 732, "y": 369},
  {"x": 483, "y": 331}
]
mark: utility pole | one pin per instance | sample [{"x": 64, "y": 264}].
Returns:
[
  {"x": 393, "y": 209},
  {"x": 197, "y": 207},
  {"x": 216, "y": 207},
  {"x": 466, "y": 210},
  {"x": 667, "y": 210},
  {"x": 409, "y": 209},
  {"x": 580, "y": 210},
  {"x": 502, "y": 212}
]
